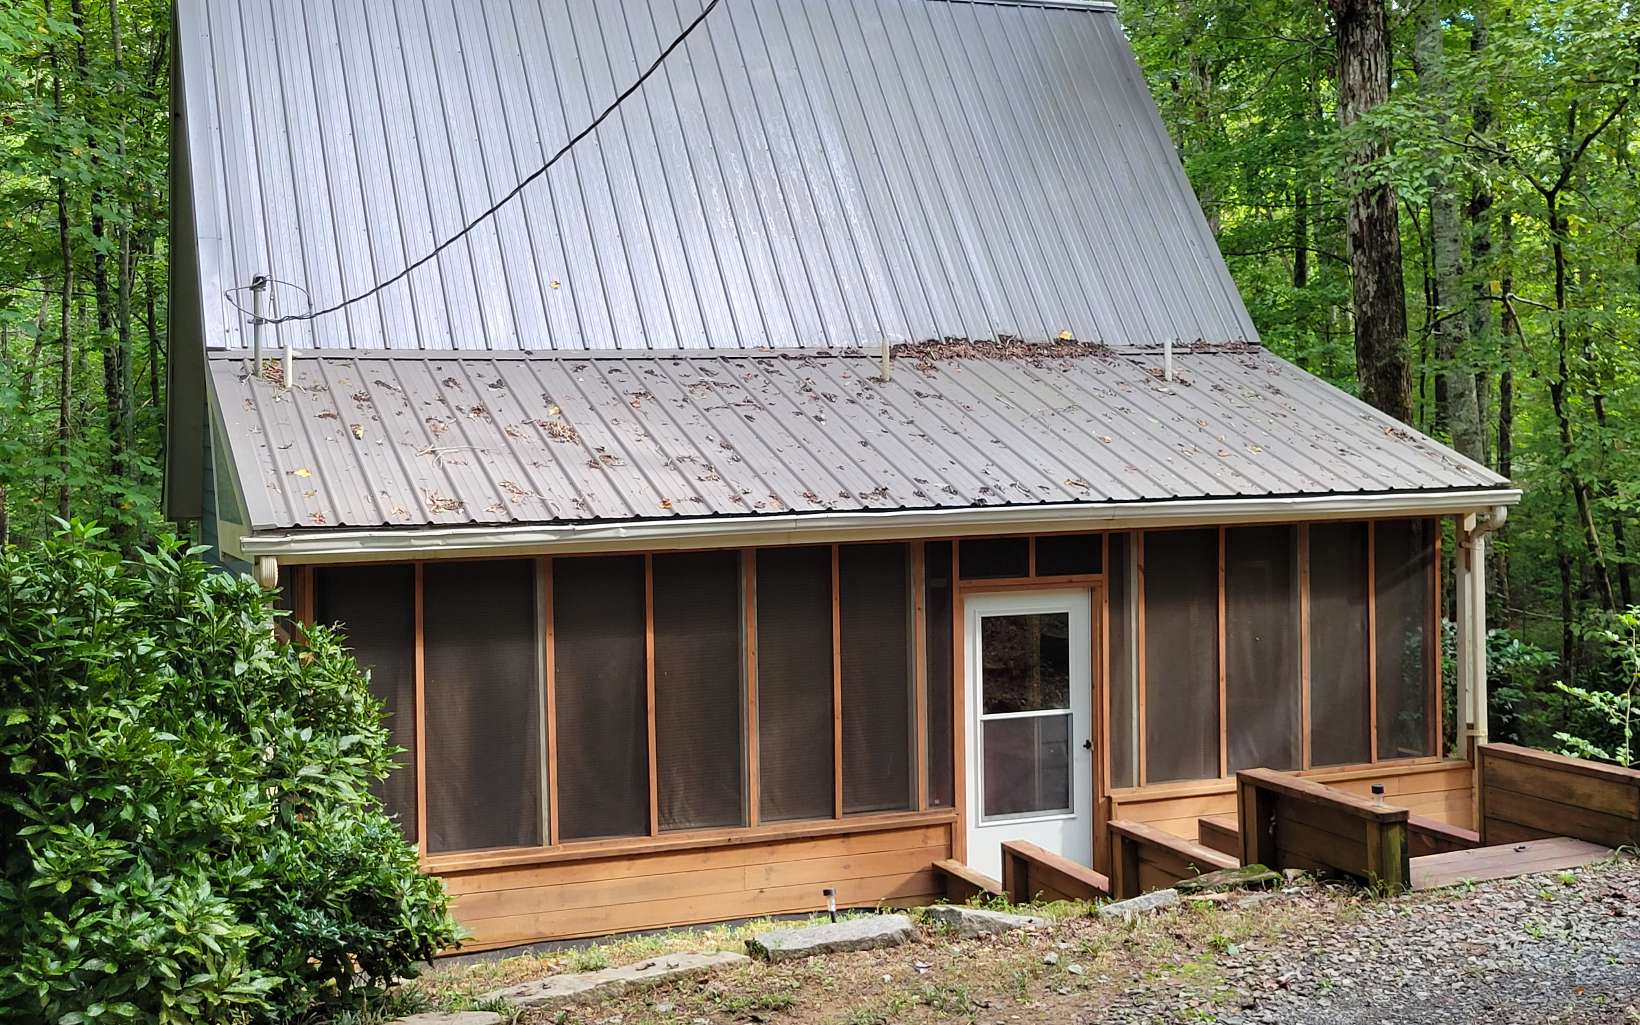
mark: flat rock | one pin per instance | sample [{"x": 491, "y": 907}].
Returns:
[
  {"x": 607, "y": 982},
  {"x": 450, "y": 1018},
  {"x": 868, "y": 933},
  {"x": 1152, "y": 901},
  {"x": 1247, "y": 877},
  {"x": 968, "y": 922}
]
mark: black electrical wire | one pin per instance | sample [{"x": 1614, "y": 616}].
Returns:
[{"x": 563, "y": 150}]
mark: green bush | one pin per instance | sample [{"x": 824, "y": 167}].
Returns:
[{"x": 187, "y": 824}]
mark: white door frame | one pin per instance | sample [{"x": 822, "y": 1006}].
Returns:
[{"x": 1068, "y": 833}]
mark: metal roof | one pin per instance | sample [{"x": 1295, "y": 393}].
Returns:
[
  {"x": 422, "y": 439},
  {"x": 799, "y": 173}
]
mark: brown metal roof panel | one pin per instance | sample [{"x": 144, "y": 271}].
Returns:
[{"x": 375, "y": 440}]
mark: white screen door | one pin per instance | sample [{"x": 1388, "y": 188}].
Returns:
[{"x": 1029, "y": 658}]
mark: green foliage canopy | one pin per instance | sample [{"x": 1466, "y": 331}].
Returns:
[{"x": 187, "y": 800}]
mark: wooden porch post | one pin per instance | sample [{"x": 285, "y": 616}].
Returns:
[{"x": 1470, "y": 616}]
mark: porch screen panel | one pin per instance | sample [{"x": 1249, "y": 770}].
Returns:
[
  {"x": 481, "y": 653},
  {"x": 985, "y": 558},
  {"x": 937, "y": 619},
  {"x": 1181, "y": 579},
  {"x": 375, "y": 609},
  {"x": 1121, "y": 687},
  {"x": 1340, "y": 700},
  {"x": 794, "y": 684},
  {"x": 1404, "y": 558},
  {"x": 699, "y": 692},
  {"x": 1262, "y": 671},
  {"x": 601, "y": 690},
  {"x": 1063, "y": 555},
  {"x": 875, "y": 645}
]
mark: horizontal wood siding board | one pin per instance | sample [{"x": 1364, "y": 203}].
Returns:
[
  {"x": 1546, "y": 759},
  {"x": 1560, "y": 819},
  {"x": 630, "y": 892},
  {"x": 896, "y": 890},
  {"x": 1319, "y": 847},
  {"x": 1322, "y": 818},
  {"x": 1612, "y": 795},
  {"x": 625, "y": 866},
  {"x": 728, "y": 881},
  {"x": 460, "y": 864},
  {"x": 1500, "y": 831}
]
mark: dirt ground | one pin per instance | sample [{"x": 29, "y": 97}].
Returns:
[{"x": 1556, "y": 948}]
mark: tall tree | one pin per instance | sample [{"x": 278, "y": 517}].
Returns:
[
  {"x": 1450, "y": 306},
  {"x": 1374, "y": 232}
]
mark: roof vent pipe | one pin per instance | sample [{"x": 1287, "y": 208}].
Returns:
[
  {"x": 1167, "y": 360},
  {"x": 888, "y": 366},
  {"x": 259, "y": 284}
]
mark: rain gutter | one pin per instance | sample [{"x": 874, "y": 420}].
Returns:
[{"x": 345, "y": 545}]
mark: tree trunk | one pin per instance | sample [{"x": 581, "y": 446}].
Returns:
[
  {"x": 120, "y": 399},
  {"x": 1460, "y": 408},
  {"x": 1480, "y": 242},
  {"x": 1557, "y": 399},
  {"x": 65, "y": 247},
  {"x": 1373, "y": 220}
]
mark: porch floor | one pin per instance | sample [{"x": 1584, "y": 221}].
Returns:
[{"x": 1505, "y": 861}]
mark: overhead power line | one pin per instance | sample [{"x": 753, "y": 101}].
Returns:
[{"x": 563, "y": 151}]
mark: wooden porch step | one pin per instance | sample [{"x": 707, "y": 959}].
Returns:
[
  {"x": 1220, "y": 833},
  {"x": 962, "y": 882},
  {"x": 1504, "y": 861}
]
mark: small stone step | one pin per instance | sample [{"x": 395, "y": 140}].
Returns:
[
  {"x": 450, "y": 1018},
  {"x": 1155, "y": 900},
  {"x": 832, "y": 938},
  {"x": 967, "y": 923},
  {"x": 586, "y": 987}
]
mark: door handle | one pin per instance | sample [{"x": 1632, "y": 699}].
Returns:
[{"x": 1087, "y": 745}]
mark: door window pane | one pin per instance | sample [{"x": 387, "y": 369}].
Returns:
[
  {"x": 1027, "y": 765},
  {"x": 1025, "y": 660}
]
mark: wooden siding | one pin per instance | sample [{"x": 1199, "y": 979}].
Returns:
[
  {"x": 1434, "y": 789},
  {"x": 1530, "y": 795},
  {"x": 602, "y": 891}
]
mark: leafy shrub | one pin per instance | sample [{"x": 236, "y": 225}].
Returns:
[
  {"x": 1603, "y": 721},
  {"x": 188, "y": 829}
]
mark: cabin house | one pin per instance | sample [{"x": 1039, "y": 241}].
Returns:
[{"x": 759, "y": 446}]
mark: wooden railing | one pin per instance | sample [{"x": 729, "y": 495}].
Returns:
[
  {"x": 1030, "y": 873},
  {"x": 1432, "y": 836},
  {"x": 1145, "y": 858},
  {"x": 963, "y": 883},
  {"x": 1219, "y": 832},
  {"x": 1289, "y": 822},
  {"x": 1528, "y": 795}
]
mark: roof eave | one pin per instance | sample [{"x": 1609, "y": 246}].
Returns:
[{"x": 368, "y": 545}]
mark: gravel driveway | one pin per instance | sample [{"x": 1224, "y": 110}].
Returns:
[{"x": 1546, "y": 948}]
